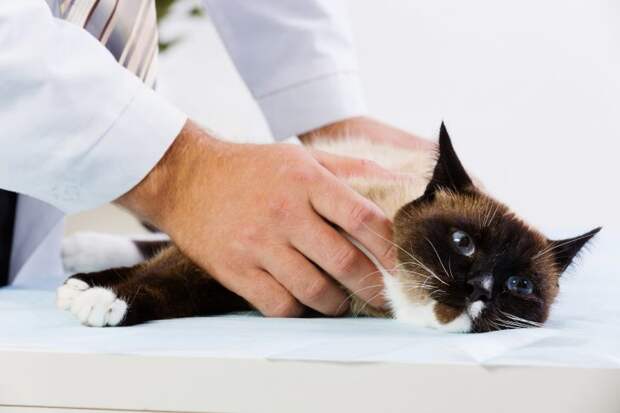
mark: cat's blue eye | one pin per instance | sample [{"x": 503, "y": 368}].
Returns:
[
  {"x": 463, "y": 243},
  {"x": 520, "y": 285}
]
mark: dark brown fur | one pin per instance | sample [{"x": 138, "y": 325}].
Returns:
[{"x": 168, "y": 285}]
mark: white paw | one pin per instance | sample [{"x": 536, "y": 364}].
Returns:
[
  {"x": 66, "y": 294},
  {"x": 93, "y": 306},
  {"x": 90, "y": 252}
]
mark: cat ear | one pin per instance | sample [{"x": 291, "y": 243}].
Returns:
[
  {"x": 564, "y": 251},
  {"x": 449, "y": 172}
]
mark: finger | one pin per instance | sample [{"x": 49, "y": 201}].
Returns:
[
  {"x": 266, "y": 294},
  {"x": 338, "y": 257},
  {"x": 357, "y": 216},
  {"x": 305, "y": 281},
  {"x": 343, "y": 166}
]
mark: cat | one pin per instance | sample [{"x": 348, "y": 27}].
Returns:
[{"x": 466, "y": 263}]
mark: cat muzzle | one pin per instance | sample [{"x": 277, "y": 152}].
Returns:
[{"x": 480, "y": 288}]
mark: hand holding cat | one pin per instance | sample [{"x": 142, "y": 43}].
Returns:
[{"x": 259, "y": 219}]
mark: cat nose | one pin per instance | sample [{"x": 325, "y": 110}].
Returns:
[{"x": 481, "y": 287}]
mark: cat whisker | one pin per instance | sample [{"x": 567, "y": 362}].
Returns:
[
  {"x": 415, "y": 286},
  {"x": 369, "y": 274},
  {"x": 501, "y": 323},
  {"x": 406, "y": 253},
  {"x": 424, "y": 267},
  {"x": 410, "y": 272},
  {"x": 427, "y": 278},
  {"x": 520, "y": 320},
  {"x": 508, "y": 323},
  {"x": 402, "y": 264},
  {"x": 393, "y": 269},
  {"x": 389, "y": 241},
  {"x": 438, "y": 257},
  {"x": 435, "y": 276},
  {"x": 436, "y": 291},
  {"x": 365, "y": 304},
  {"x": 491, "y": 323},
  {"x": 356, "y": 292},
  {"x": 414, "y": 282}
]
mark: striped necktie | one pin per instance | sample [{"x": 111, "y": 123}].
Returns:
[{"x": 128, "y": 29}]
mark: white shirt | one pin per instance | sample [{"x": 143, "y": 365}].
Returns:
[{"x": 80, "y": 130}]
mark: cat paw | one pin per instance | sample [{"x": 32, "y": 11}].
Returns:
[
  {"x": 68, "y": 292},
  {"x": 90, "y": 252},
  {"x": 93, "y": 306}
]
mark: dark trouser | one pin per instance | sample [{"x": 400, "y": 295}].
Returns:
[{"x": 8, "y": 204}]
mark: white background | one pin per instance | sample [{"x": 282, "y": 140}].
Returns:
[{"x": 530, "y": 92}]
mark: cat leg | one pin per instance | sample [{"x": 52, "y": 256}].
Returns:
[
  {"x": 163, "y": 296},
  {"x": 90, "y": 251},
  {"x": 167, "y": 286}
]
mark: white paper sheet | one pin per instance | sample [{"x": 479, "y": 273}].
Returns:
[{"x": 584, "y": 331}]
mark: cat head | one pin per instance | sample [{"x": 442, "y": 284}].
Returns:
[{"x": 467, "y": 263}]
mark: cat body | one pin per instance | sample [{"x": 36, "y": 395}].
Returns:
[{"x": 466, "y": 263}]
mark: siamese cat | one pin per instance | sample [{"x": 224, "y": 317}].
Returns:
[{"x": 466, "y": 263}]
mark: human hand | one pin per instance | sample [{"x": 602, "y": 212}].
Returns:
[
  {"x": 258, "y": 219},
  {"x": 370, "y": 129}
]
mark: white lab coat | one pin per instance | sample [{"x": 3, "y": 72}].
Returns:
[{"x": 79, "y": 130}]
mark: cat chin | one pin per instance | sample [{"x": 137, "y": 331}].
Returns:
[{"x": 422, "y": 313}]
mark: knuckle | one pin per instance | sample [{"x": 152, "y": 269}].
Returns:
[
  {"x": 285, "y": 306},
  {"x": 250, "y": 235},
  {"x": 280, "y": 208},
  {"x": 295, "y": 166},
  {"x": 303, "y": 175},
  {"x": 316, "y": 291},
  {"x": 345, "y": 260},
  {"x": 361, "y": 215}
]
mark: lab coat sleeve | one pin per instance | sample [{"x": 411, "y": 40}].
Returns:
[
  {"x": 78, "y": 130},
  {"x": 296, "y": 57}
]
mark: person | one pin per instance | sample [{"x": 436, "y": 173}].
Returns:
[{"x": 81, "y": 130}]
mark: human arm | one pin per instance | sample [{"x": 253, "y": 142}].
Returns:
[{"x": 78, "y": 129}]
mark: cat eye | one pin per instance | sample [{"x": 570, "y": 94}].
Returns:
[
  {"x": 520, "y": 285},
  {"x": 463, "y": 243}
]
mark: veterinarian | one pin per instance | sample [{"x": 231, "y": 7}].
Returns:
[{"x": 82, "y": 127}]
